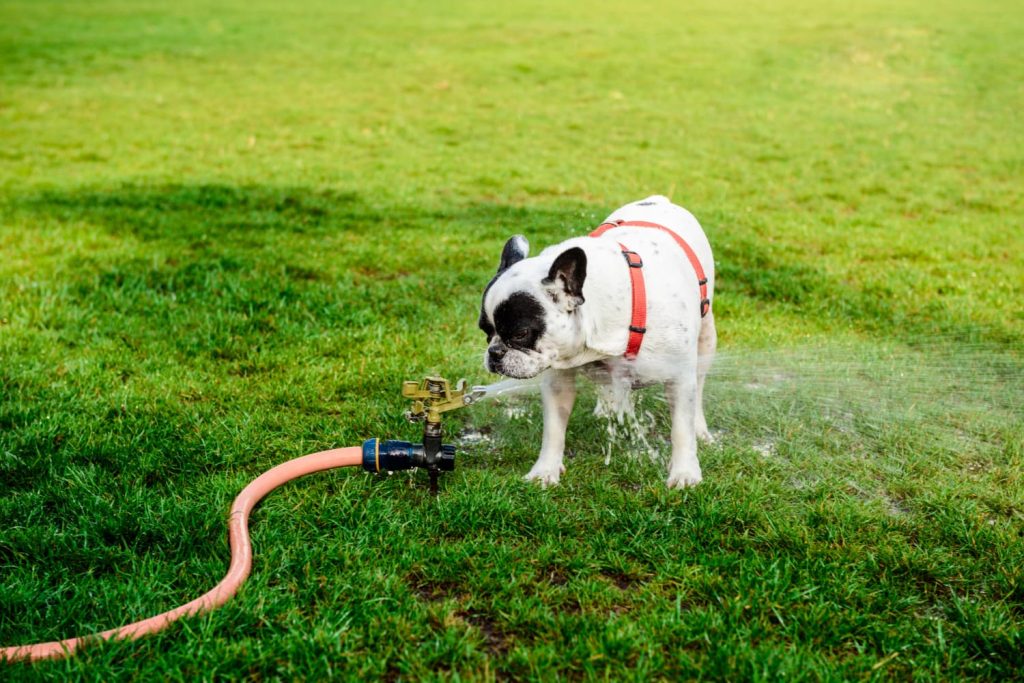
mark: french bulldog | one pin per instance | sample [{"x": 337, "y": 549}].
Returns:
[{"x": 574, "y": 309}]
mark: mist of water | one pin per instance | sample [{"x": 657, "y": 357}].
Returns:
[{"x": 953, "y": 391}]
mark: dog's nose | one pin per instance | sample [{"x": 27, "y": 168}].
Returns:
[{"x": 496, "y": 353}]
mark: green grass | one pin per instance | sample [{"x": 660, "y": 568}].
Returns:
[{"x": 228, "y": 231}]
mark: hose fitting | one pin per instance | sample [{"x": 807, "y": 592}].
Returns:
[{"x": 392, "y": 456}]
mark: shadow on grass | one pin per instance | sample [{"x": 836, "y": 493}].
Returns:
[
  {"x": 181, "y": 212},
  {"x": 468, "y": 238},
  {"x": 189, "y": 212}
]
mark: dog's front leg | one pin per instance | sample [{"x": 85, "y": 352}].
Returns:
[
  {"x": 683, "y": 468},
  {"x": 558, "y": 390}
]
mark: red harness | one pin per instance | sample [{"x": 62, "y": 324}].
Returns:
[{"x": 637, "y": 327}]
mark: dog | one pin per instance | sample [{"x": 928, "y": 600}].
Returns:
[{"x": 628, "y": 306}]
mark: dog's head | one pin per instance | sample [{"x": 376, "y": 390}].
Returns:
[{"x": 530, "y": 310}]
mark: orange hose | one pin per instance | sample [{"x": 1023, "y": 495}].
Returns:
[{"x": 238, "y": 570}]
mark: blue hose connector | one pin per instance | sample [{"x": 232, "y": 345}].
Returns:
[{"x": 390, "y": 456}]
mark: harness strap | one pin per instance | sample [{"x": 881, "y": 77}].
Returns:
[
  {"x": 638, "y": 322},
  {"x": 702, "y": 280}
]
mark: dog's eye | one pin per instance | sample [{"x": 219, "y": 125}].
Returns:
[{"x": 521, "y": 336}]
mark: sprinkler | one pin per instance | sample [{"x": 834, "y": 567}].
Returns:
[{"x": 430, "y": 397}]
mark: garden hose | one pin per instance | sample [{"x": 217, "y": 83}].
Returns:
[
  {"x": 238, "y": 570},
  {"x": 431, "y": 397}
]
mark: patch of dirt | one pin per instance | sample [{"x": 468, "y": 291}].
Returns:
[
  {"x": 554, "y": 575},
  {"x": 432, "y": 590},
  {"x": 495, "y": 638},
  {"x": 621, "y": 580},
  {"x": 571, "y": 606}
]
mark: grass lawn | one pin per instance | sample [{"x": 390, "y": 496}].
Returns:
[{"x": 229, "y": 230}]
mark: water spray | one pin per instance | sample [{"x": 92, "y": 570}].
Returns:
[{"x": 431, "y": 397}]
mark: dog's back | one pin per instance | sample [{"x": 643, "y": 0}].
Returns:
[
  {"x": 660, "y": 209},
  {"x": 655, "y": 246}
]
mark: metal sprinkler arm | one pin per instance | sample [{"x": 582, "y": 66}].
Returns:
[
  {"x": 431, "y": 397},
  {"x": 434, "y": 395}
]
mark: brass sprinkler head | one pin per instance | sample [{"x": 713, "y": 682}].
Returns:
[
  {"x": 431, "y": 397},
  {"x": 434, "y": 395}
]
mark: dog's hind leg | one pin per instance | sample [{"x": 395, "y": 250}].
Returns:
[
  {"x": 683, "y": 468},
  {"x": 558, "y": 391},
  {"x": 707, "y": 343}
]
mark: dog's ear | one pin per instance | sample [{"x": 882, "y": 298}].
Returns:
[
  {"x": 515, "y": 251},
  {"x": 565, "y": 279}
]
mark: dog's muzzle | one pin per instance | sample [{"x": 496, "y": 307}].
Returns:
[{"x": 495, "y": 356}]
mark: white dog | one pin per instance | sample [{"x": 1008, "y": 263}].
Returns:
[{"x": 629, "y": 305}]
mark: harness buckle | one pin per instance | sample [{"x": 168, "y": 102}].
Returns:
[
  {"x": 705, "y": 306},
  {"x": 638, "y": 263}
]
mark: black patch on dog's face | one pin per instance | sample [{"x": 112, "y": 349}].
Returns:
[
  {"x": 514, "y": 251},
  {"x": 519, "y": 321},
  {"x": 485, "y": 324}
]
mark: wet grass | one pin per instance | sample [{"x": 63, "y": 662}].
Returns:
[{"x": 228, "y": 233}]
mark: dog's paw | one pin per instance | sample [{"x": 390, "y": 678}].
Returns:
[
  {"x": 545, "y": 475},
  {"x": 683, "y": 477}
]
